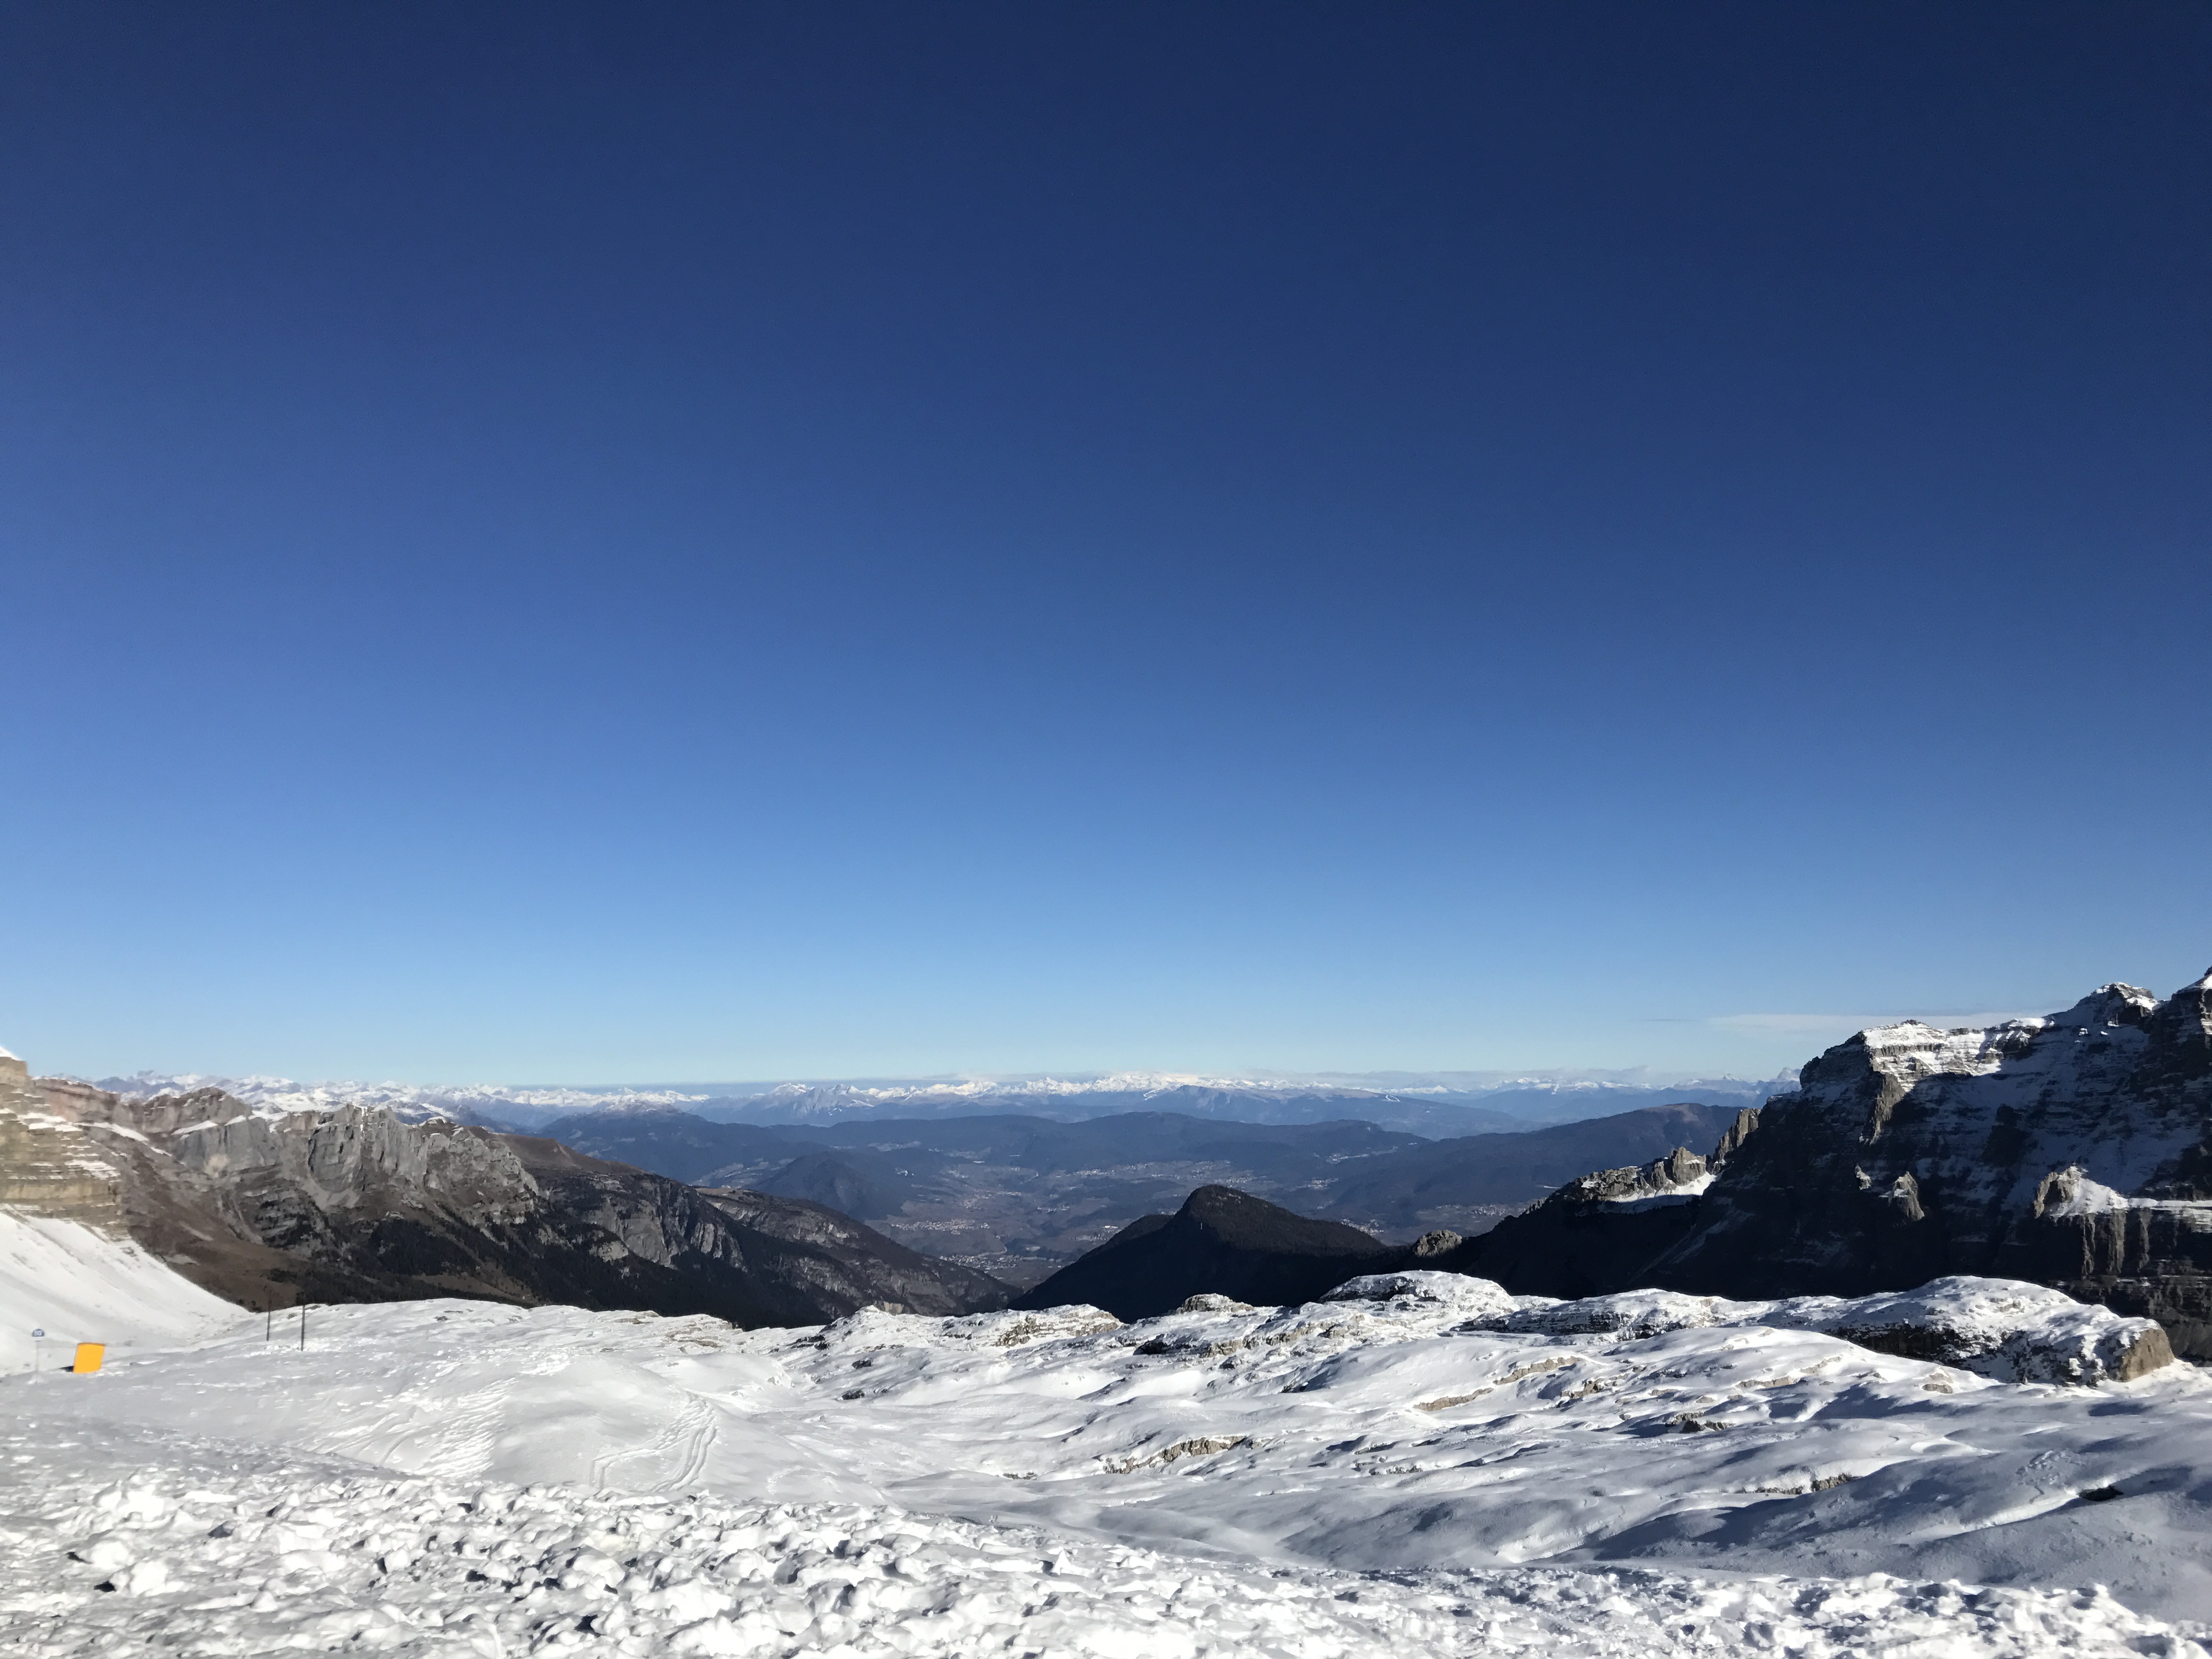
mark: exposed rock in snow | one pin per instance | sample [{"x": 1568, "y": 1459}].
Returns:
[
  {"x": 1996, "y": 1327},
  {"x": 1999, "y": 1327},
  {"x": 1465, "y": 1297}
]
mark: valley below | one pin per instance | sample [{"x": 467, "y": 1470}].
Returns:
[{"x": 1017, "y": 1197}]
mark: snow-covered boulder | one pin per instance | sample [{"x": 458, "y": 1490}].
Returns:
[
  {"x": 1997, "y": 1327},
  {"x": 1465, "y": 1296},
  {"x": 1004, "y": 1328},
  {"x": 1629, "y": 1315}
]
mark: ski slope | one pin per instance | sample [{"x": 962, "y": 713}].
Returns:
[
  {"x": 1391, "y": 1472},
  {"x": 80, "y": 1286}
]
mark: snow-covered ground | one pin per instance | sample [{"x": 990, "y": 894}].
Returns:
[
  {"x": 80, "y": 1285},
  {"x": 1421, "y": 1466}
]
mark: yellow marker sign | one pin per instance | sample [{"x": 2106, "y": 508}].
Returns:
[{"x": 88, "y": 1356}]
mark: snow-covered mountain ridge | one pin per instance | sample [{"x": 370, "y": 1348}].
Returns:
[
  {"x": 1454, "y": 1105},
  {"x": 2073, "y": 1150},
  {"x": 493, "y": 1103}
]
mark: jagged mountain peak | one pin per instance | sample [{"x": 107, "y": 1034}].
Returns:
[
  {"x": 2116, "y": 1004},
  {"x": 1908, "y": 1153},
  {"x": 2186, "y": 1015}
]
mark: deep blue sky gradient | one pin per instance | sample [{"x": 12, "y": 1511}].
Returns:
[{"x": 565, "y": 542}]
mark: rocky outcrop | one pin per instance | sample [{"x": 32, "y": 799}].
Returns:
[
  {"x": 2014, "y": 1332},
  {"x": 1595, "y": 1233},
  {"x": 2073, "y": 1152},
  {"x": 2010, "y": 1332},
  {"x": 356, "y": 1204},
  {"x": 49, "y": 1166}
]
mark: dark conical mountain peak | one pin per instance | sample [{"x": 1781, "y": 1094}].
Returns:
[
  {"x": 1222, "y": 1241},
  {"x": 1241, "y": 1221}
]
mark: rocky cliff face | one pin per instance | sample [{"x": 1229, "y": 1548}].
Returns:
[
  {"x": 354, "y": 1205},
  {"x": 48, "y": 1164},
  {"x": 2073, "y": 1152}
]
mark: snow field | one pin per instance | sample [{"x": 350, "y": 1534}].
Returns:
[
  {"x": 1421, "y": 1464},
  {"x": 270, "y": 1562}
]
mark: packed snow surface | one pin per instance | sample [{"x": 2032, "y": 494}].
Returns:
[{"x": 1421, "y": 1464}]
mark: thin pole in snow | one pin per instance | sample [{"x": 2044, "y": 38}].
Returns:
[
  {"x": 268, "y": 1333},
  {"x": 303, "y": 1327}
]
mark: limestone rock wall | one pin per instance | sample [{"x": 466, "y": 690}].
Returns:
[{"x": 2073, "y": 1152}]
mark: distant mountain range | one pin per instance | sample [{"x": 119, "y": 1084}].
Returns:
[
  {"x": 1013, "y": 1178},
  {"x": 1432, "y": 1104},
  {"x": 2074, "y": 1150}
]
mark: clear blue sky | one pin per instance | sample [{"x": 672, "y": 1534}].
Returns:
[{"x": 578, "y": 542}]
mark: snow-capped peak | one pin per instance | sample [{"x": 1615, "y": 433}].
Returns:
[{"x": 275, "y": 1097}]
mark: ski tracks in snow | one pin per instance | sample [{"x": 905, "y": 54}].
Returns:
[{"x": 685, "y": 1444}]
